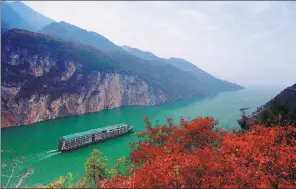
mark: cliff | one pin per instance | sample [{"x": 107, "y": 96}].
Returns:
[
  {"x": 38, "y": 86},
  {"x": 46, "y": 78}
]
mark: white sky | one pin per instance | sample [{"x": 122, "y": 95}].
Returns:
[{"x": 244, "y": 42}]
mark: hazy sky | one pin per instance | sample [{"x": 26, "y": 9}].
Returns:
[{"x": 244, "y": 42}]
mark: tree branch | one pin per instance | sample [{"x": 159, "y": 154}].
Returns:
[
  {"x": 11, "y": 175},
  {"x": 28, "y": 173}
]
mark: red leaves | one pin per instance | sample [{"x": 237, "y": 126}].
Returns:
[{"x": 194, "y": 156}]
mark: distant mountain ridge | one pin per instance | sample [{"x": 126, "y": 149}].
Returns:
[
  {"x": 69, "y": 32},
  {"x": 211, "y": 83},
  {"x": 139, "y": 53},
  {"x": 182, "y": 64},
  {"x": 18, "y": 15},
  {"x": 10, "y": 19}
]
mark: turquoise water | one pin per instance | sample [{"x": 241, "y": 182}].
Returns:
[{"x": 38, "y": 142}]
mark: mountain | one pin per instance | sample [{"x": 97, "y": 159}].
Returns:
[
  {"x": 151, "y": 70},
  {"x": 281, "y": 110},
  {"x": 44, "y": 78},
  {"x": 18, "y": 15},
  {"x": 207, "y": 83},
  {"x": 69, "y": 32},
  {"x": 11, "y": 19},
  {"x": 139, "y": 53},
  {"x": 64, "y": 70},
  {"x": 211, "y": 84},
  {"x": 4, "y": 27},
  {"x": 182, "y": 64}
]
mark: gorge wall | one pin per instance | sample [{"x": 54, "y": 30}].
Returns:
[
  {"x": 101, "y": 91},
  {"x": 108, "y": 91},
  {"x": 38, "y": 86},
  {"x": 45, "y": 77}
]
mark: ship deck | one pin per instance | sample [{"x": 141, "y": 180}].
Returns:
[{"x": 93, "y": 131}]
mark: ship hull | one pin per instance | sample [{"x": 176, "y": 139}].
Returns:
[{"x": 91, "y": 139}]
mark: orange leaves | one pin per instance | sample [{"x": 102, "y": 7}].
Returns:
[
  {"x": 195, "y": 156},
  {"x": 199, "y": 132},
  {"x": 165, "y": 171}
]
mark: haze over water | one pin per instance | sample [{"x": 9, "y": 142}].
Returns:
[{"x": 39, "y": 141}]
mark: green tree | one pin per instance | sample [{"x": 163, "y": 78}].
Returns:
[
  {"x": 244, "y": 118},
  {"x": 116, "y": 170},
  {"x": 95, "y": 167},
  {"x": 61, "y": 182}
]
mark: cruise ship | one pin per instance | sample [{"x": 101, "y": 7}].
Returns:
[{"x": 78, "y": 140}]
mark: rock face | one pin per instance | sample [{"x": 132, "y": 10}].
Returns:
[
  {"x": 45, "y": 77},
  {"x": 41, "y": 86},
  {"x": 107, "y": 91}
]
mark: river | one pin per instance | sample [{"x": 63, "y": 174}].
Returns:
[{"x": 38, "y": 142}]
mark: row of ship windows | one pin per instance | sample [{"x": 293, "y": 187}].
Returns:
[{"x": 88, "y": 138}]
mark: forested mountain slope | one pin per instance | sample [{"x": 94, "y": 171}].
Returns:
[
  {"x": 211, "y": 84},
  {"x": 44, "y": 78},
  {"x": 279, "y": 110}
]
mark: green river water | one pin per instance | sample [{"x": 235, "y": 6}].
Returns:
[{"x": 38, "y": 142}]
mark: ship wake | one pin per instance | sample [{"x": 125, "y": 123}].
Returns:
[
  {"x": 50, "y": 154},
  {"x": 52, "y": 151}
]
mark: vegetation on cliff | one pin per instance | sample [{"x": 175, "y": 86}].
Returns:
[
  {"x": 175, "y": 83},
  {"x": 210, "y": 83},
  {"x": 66, "y": 78},
  {"x": 281, "y": 110},
  {"x": 197, "y": 155},
  {"x": 206, "y": 82},
  {"x": 69, "y": 32}
]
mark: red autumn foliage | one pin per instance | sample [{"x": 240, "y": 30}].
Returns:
[{"x": 195, "y": 155}]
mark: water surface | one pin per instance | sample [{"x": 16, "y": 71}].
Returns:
[{"x": 38, "y": 142}]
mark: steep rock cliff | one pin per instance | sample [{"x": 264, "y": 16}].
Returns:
[
  {"x": 38, "y": 84},
  {"x": 107, "y": 91}
]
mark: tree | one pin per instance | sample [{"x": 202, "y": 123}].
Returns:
[
  {"x": 195, "y": 155},
  {"x": 61, "y": 182},
  {"x": 13, "y": 173},
  {"x": 116, "y": 170},
  {"x": 95, "y": 167},
  {"x": 243, "y": 122}
]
